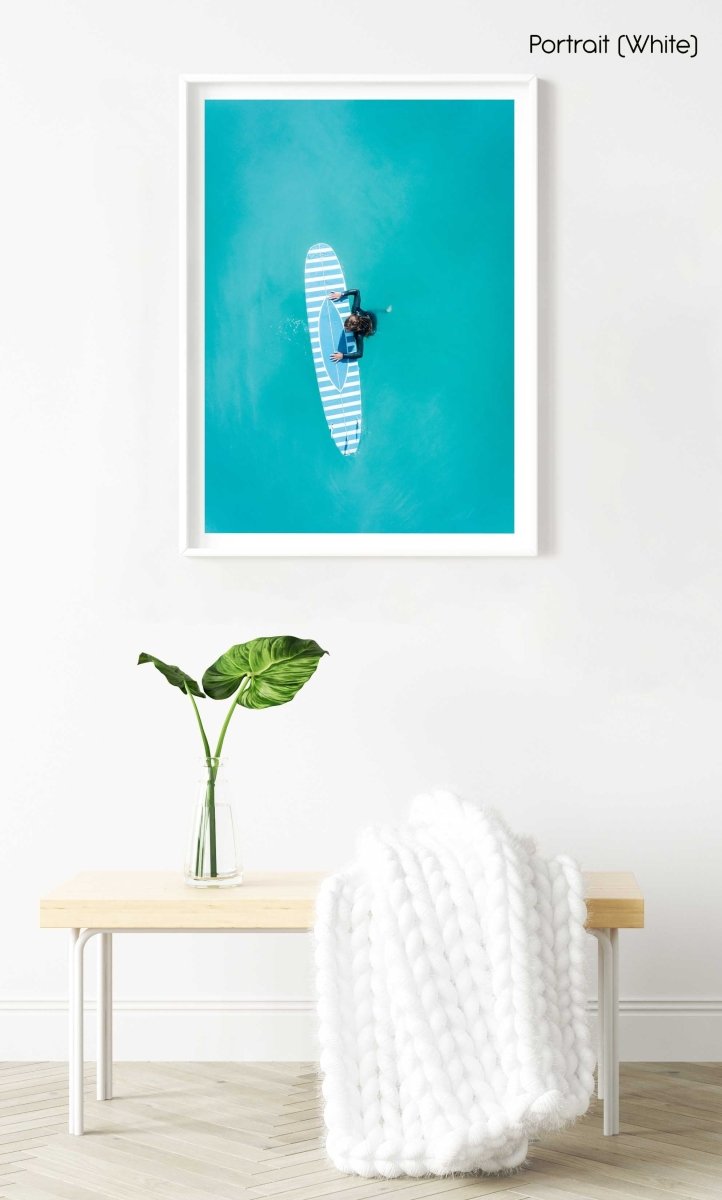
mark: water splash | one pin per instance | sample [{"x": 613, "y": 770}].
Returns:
[{"x": 292, "y": 329}]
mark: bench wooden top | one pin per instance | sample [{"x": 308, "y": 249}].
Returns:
[{"x": 266, "y": 900}]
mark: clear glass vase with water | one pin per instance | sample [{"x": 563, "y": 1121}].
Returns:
[{"x": 213, "y": 858}]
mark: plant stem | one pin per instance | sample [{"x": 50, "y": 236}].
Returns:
[
  {"x": 206, "y": 745},
  {"x": 213, "y": 765},
  {"x": 199, "y": 843},
  {"x": 209, "y": 810},
  {"x": 211, "y": 806},
  {"x": 245, "y": 684},
  {"x": 208, "y": 816}
]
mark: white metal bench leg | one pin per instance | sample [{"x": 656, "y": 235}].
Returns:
[
  {"x": 600, "y": 1020},
  {"x": 614, "y": 939},
  {"x": 78, "y": 938},
  {"x": 104, "y": 1075},
  {"x": 608, "y": 1067},
  {"x": 71, "y": 1030}
]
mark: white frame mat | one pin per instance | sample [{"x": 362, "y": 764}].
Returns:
[{"x": 194, "y": 90}]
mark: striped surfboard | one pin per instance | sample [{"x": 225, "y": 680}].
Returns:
[{"x": 339, "y": 383}]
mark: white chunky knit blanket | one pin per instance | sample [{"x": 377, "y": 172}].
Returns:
[{"x": 451, "y": 991}]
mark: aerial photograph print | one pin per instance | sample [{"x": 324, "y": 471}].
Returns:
[{"x": 359, "y": 316}]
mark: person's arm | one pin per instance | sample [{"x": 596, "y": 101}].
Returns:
[
  {"x": 356, "y": 303},
  {"x": 337, "y": 356},
  {"x": 355, "y": 292},
  {"x": 359, "y": 352}
]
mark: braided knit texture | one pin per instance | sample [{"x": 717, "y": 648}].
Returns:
[{"x": 450, "y": 963}]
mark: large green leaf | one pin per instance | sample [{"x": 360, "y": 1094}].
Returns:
[
  {"x": 275, "y": 669},
  {"x": 174, "y": 675}
]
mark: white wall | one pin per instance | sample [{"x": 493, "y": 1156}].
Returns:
[{"x": 580, "y": 691}]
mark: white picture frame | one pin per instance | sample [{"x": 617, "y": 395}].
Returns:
[{"x": 194, "y": 91}]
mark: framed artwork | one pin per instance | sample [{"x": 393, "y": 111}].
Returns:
[{"x": 358, "y": 269}]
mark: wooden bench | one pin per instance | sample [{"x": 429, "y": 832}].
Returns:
[{"x": 108, "y": 902}]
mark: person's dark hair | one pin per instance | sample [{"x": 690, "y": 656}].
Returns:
[{"x": 360, "y": 323}]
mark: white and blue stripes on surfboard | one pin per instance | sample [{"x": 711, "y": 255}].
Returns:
[{"x": 341, "y": 406}]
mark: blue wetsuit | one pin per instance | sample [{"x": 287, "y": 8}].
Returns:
[{"x": 356, "y": 308}]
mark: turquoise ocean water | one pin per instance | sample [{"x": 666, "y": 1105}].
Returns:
[{"x": 416, "y": 198}]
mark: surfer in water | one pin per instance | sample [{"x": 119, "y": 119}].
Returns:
[{"x": 360, "y": 323}]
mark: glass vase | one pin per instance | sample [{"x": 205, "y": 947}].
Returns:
[{"x": 213, "y": 859}]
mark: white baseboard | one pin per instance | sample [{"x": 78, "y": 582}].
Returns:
[
  {"x": 669, "y": 1030},
  {"x": 251, "y": 1029},
  {"x": 283, "y": 1029}
]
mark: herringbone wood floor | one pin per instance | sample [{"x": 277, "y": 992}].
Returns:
[{"x": 236, "y": 1131}]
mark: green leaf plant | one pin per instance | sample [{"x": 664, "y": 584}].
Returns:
[{"x": 263, "y": 673}]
